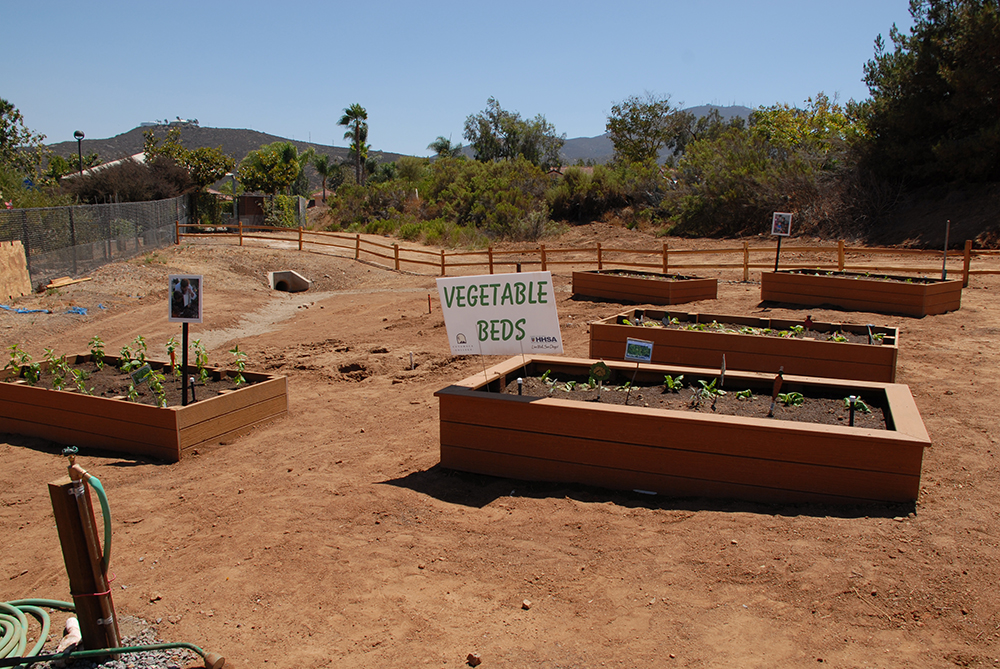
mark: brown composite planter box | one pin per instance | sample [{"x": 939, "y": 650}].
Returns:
[
  {"x": 643, "y": 287},
  {"x": 807, "y": 355},
  {"x": 858, "y": 292},
  {"x": 72, "y": 418},
  {"x": 679, "y": 453}
]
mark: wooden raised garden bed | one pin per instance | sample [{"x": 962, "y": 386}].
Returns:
[
  {"x": 862, "y": 292},
  {"x": 70, "y": 417},
  {"x": 682, "y": 453},
  {"x": 643, "y": 287},
  {"x": 752, "y": 344}
]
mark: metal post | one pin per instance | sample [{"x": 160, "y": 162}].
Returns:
[{"x": 944, "y": 257}]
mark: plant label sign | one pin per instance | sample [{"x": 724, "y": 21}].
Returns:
[
  {"x": 638, "y": 350},
  {"x": 184, "y": 297},
  {"x": 500, "y": 314}
]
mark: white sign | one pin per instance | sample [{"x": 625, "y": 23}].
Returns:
[
  {"x": 781, "y": 224},
  {"x": 638, "y": 350},
  {"x": 500, "y": 314}
]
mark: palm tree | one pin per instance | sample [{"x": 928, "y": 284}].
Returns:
[
  {"x": 326, "y": 169},
  {"x": 355, "y": 120},
  {"x": 443, "y": 147}
]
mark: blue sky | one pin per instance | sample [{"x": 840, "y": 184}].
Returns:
[{"x": 419, "y": 68}]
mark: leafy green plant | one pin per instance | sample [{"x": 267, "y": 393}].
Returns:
[
  {"x": 241, "y": 365},
  {"x": 80, "y": 377},
  {"x": 155, "y": 381},
  {"x": 673, "y": 383},
  {"x": 97, "y": 351},
  {"x": 744, "y": 394},
  {"x": 200, "y": 360},
  {"x": 791, "y": 399},
  {"x": 709, "y": 390},
  {"x": 545, "y": 376},
  {"x": 837, "y": 337},
  {"x": 57, "y": 367},
  {"x": 797, "y": 329},
  {"x": 859, "y": 405},
  {"x": 140, "y": 349},
  {"x": 133, "y": 394},
  {"x": 21, "y": 360},
  {"x": 569, "y": 386}
]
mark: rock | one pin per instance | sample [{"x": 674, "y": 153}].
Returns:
[
  {"x": 474, "y": 660},
  {"x": 155, "y": 597},
  {"x": 526, "y": 604}
]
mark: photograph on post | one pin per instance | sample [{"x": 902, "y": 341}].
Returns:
[
  {"x": 185, "y": 296},
  {"x": 781, "y": 224}
]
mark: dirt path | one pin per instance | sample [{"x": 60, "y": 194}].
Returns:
[{"x": 333, "y": 538}]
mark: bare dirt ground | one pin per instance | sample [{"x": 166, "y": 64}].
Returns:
[{"x": 334, "y": 538}]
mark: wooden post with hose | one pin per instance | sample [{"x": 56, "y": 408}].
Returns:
[{"x": 88, "y": 582}]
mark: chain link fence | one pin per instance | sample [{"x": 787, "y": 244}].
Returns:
[{"x": 72, "y": 241}]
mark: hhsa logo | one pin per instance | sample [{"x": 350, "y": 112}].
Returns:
[{"x": 544, "y": 342}]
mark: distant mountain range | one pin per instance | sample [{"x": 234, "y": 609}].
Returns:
[{"x": 238, "y": 143}]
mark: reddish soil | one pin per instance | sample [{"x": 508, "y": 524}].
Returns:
[{"x": 334, "y": 538}]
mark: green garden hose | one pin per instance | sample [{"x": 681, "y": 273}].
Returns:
[{"x": 14, "y": 637}]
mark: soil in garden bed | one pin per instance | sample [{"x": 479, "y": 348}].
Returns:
[
  {"x": 863, "y": 276},
  {"x": 735, "y": 328},
  {"x": 822, "y": 410},
  {"x": 110, "y": 382},
  {"x": 646, "y": 275}
]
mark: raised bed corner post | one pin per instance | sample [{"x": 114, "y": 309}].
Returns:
[
  {"x": 944, "y": 256},
  {"x": 968, "y": 262}
]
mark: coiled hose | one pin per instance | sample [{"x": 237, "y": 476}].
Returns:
[{"x": 14, "y": 618}]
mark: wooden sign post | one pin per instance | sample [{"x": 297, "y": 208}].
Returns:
[{"x": 88, "y": 581}]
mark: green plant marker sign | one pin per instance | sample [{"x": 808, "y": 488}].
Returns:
[
  {"x": 638, "y": 350},
  {"x": 600, "y": 372},
  {"x": 142, "y": 374}
]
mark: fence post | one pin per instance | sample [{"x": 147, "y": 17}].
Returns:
[
  {"x": 840, "y": 255},
  {"x": 600, "y": 260},
  {"x": 490, "y": 252},
  {"x": 968, "y": 262},
  {"x": 666, "y": 259},
  {"x": 746, "y": 261},
  {"x": 357, "y": 247},
  {"x": 241, "y": 232},
  {"x": 177, "y": 232},
  {"x": 395, "y": 253},
  {"x": 543, "y": 257},
  {"x": 442, "y": 262},
  {"x": 300, "y": 239}
]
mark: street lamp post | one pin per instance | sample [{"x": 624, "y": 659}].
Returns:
[{"x": 79, "y": 148}]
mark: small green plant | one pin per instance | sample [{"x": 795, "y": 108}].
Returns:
[
  {"x": 133, "y": 393},
  {"x": 837, "y": 337},
  {"x": 80, "y": 381},
  {"x": 127, "y": 361},
  {"x": 140, "y": 349},
  {"x": 791, "y": 399},
  {"x": 569, "y": 386},
  {"x": 859, "y": 405},
  {"x": 200, "y": 360},
  {"x": 57, "y": 367},
  {"x": 97, "y": 351},
  {"x": 172, "y": 352},
  {"x": 709, "y": 390},
  {"x": 545, "y": 376},
  {"x": 744, "y": 394},
  {"x": 673, "y": 383},
  {"x": 241, "y": 365},
  {"x": 20, "y": 359},
  {"x": 155, "y": 381},
  {"x": 797, "y": 329}
]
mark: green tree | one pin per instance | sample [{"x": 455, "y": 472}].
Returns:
[
  {"x": 271, "y": 168},
  {"x": 443, "y": 148},
  {"x": 20, "y": 149},
  {"x": 497, "y": 134},
  {"x": 355, "y": 119},
  {"x": 932, "y": 115},
  {"x": 205, "y": 165},
  {"x": 640, "y": 127},
  {"x": 329, "y": 171}
]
